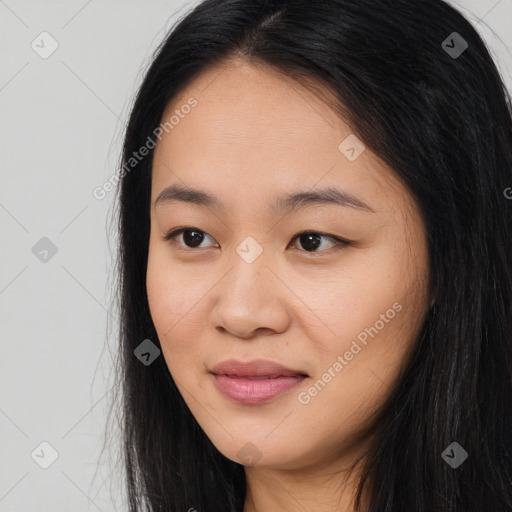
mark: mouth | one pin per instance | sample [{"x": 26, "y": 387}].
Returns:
[
  {"x": 254, "y": 377},
  {"x": 256, "y": 381}
]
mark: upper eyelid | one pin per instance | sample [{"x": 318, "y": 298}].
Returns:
[{"x": 178, "y": 231}]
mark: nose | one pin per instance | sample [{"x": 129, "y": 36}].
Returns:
[{"x": 251, "y": 300}]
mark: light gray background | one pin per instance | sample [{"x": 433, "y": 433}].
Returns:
[{"x": 61, "y": 126}]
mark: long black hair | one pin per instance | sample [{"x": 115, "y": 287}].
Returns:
[{"x": 417, "y": 84}]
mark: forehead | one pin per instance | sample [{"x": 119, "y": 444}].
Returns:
[
  {"x": 254, "y": 130},
  {"x": 250, "y": 109}
]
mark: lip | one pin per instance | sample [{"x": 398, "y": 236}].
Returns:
[
  {"x": 255, "y": 368},
  {"x": 255, "y": 381}
]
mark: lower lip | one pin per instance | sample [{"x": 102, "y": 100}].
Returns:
[{"x": 254, "y": 391}]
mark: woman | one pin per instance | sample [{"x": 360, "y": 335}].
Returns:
[{"x": 315, "y": 263}]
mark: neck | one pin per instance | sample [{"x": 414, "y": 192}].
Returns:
[{"x": 324, "y": 487}]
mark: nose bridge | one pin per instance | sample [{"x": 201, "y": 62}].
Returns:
[
  {"x": 249, "y": 269},
  {"x": 247, "y": 298}
]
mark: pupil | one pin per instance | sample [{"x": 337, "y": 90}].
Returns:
[
  {"x": 307, "y": 242},
  {"x": 194, "y": 241}
]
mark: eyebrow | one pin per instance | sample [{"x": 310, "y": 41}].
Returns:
[{"x": 282, "y": 204}]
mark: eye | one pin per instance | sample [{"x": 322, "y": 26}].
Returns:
[
  {"x": 312, "y": 240},
  {"x": 309, "y": 240},
  {"x": 191, "y": 236}
]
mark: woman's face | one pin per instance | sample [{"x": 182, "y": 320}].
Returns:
[{"x": 241, "y": 284}]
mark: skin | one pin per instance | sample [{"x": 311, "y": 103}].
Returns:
[{"x": 256, "y": 134}]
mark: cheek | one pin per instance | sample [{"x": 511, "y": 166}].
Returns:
[
  {"x": 356, "y": 295},
  {"x": 371, "y": 316},
  {"x": 177, "y": 307},
  {"x": 356, "y": 368}
]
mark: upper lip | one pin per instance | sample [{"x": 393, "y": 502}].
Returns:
[{"x": 255, "y": 368}]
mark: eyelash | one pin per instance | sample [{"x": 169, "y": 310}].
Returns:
[{"x": 341, "y": 242}]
